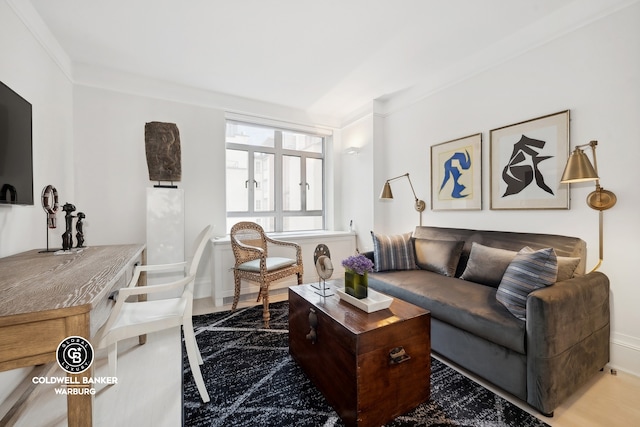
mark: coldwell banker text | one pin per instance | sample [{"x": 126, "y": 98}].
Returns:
[{"x": 75, "y": 385}]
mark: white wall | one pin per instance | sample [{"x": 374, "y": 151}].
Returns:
[
  {"x": 27, "y": 69},
  {"x": 594, "y": 72},
  {"x": 111, "y": 168},
  {"x": 357, "y": 174}
]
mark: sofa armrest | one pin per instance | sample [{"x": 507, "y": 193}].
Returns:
[{"x": 567, "y": 337}]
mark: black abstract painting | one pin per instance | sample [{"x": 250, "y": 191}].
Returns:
[
  {"x": 527, "y": 160},
  {"x": 522, "y": 169}
]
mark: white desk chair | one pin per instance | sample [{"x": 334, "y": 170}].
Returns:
[{"x": 130, "y": 319}]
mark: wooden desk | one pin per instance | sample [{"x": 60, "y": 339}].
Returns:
[{"x": 45, "y": 298}]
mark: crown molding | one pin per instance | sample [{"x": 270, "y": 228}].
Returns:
[
  {"x": 25, "y": 11},
  {"x": 566, "y": 20},
  {"x": 131, "y": 84},
  {"x": 122, "y": 82}
]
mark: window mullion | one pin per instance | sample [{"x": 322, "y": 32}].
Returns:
[
  {"x": 279, "y": 197},
  {"x": 250, "y": 185},
  {"x": 303, "y": 186}
]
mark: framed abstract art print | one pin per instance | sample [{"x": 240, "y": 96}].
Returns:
[
  {"x": 456, "y": 174},
  {"x": 527, "y": 160}
]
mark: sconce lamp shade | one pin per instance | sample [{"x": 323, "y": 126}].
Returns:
[
  {"x": 386, "y": 191},
  {"x": 578, "y": 168},
  {"x": 386, "y": 194}
]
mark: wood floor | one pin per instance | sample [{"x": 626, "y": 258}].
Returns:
[{"x": 148, "y": 392}]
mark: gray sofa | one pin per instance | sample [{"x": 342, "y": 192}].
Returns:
[{"x": 541, "y": 360}]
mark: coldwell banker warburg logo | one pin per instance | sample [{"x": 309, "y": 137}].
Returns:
[{"x": 74, "y": 354}]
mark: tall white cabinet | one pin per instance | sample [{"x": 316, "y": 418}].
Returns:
[{"x": 165, "y": 230}]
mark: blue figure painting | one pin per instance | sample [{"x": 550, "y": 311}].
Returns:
[{"x": 454, "y": 173}]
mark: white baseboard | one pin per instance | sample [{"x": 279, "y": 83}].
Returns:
[
  {"x": 625, "y": 353},
  {"x": 202, "y": 288}
]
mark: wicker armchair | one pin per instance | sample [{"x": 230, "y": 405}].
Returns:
[{"x": 250, "y": 248}]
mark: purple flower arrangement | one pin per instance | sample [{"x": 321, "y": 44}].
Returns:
[{"x": 360, "y": 264}]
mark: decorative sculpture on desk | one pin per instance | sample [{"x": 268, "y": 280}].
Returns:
[
  {"x": 49, "y": 195},
  {"x": 79, "y": 230},
  {"x": 67, "y": 237},
  {"x": 50, "y": 205},
  {"x": 324, "y": 267},
  {"x": 162, "y": 145}
]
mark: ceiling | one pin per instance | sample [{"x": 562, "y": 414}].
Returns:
[{"x": 324, "y": 56}]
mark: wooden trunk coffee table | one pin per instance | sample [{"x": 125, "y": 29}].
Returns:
[{"x": 355, "y": 358}]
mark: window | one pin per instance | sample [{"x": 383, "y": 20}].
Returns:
[{"x": 275, "y": 177}]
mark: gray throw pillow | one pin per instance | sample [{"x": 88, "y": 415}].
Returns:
[
  {"x": 566, "y": 267},
  {"x": 486, "y": 265},
  {"x": 529, "y": 270},
  {"x": 393, "y": 252},
  {"x": 439, "y": 256}
]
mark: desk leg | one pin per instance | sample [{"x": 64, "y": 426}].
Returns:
[{"x": 79, "y": 407}]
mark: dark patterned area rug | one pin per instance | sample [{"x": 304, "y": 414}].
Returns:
[{"x": 253, "y": 381}]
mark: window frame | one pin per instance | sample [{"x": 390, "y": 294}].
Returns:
[{"x": 278, "y": 213}]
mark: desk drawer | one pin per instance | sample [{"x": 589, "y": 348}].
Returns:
[{"x": 35, "y": 341}]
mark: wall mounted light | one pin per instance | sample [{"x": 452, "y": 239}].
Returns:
[
  {"x": 579, "y": 169},
  {"x": 386, "y": 193},
  {"x": 352, "y": 151}
]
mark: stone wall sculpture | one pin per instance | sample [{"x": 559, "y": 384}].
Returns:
[{"x": 162, "y": 144}]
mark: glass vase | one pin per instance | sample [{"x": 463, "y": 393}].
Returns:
[{"x": 355, "y": 284}]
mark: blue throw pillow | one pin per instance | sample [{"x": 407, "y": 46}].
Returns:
[
  {"x": 393, "y": 252},
  {"x": 529, "y": 270}
]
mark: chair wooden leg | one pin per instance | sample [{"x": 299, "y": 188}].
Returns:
[
  {"x": 112, "y": 356},
  {"x": 299, "y": 278},
  {"x": 266, "y": 315},
  {"x": 194, "y": 357},
  {"x": 236, "y": 293}
]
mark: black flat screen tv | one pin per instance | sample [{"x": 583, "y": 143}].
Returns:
[{"x": 16, "y": 155}]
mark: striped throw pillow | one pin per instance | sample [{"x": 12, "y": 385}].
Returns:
[
  {"x": 393, "y": 252},
  {"x": 529, "y": 270}
]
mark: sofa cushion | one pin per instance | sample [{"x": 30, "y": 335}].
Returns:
[
  {"x": 465, "y": 305},
  {"x": 487, "y": 265},
  {"x": 566, "y": 267},
  {"x": 439, "y": 256},
  {"x": 393, "y": 252},
  {"x": 529, "y": 270},
  {"x": 272, "y": 264},
  {"x": 563, "y": 245}
]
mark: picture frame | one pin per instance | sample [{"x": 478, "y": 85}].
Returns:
[
  {"x": 527, "y": 160},
  {"x": 456, "y": 174}
]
